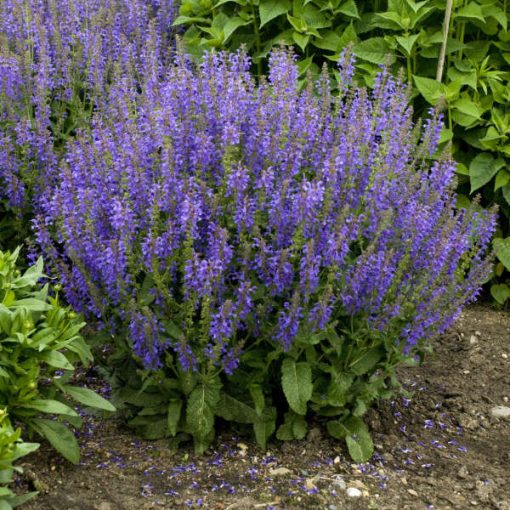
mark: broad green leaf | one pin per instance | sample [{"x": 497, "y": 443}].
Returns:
[
  {"x": 468, "y": 107},
  {"x": 232, "y": 25},
  {"x": 360, "y": 446},
  {"x": 297, "y": 384},
  {"x": 407, "y": 42},
  {"x": 60, "y": 437},
  {"x": 483, "y": 168},
  {"x": 506, "y": 193},
  {"x": 470, "y": 11},
  {"x": 430, "y": 89},
  {"x": 500, "y": 292},
  {"x": 201, "y": 408},
  {"x": 362, "y": 365},
  {"x": 301, "y": 40},
  {"x": 174, "y": 415},
  {"x": 269, "y": 9},
  {"x": 502, "y": 178},
  {"x": 88, "y": 398},
  {"x": 375, "y": 50},
  {"x": 50, "y": 406},
  {"x": 56, "y": 359},
  {"x": 231, "y": 409},
  {"x": 338, "y": 389},
  {"x": 502, "y": 250},
  {"x": 348, "y": 8},
  {"x": 32, "y": 304},
  {"x": 265, "y": 427},
  {"x": 337, "y": 429}
]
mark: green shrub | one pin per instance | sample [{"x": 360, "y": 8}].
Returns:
[
  {"x": 39, "y": 346},
  {"x": 475, "y": 91},
  {"x": 11, "y": 449}
]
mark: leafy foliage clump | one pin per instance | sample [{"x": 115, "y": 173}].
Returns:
[
  {"x": 40, "y": 345},
  {"x": 261, "y": 253}
]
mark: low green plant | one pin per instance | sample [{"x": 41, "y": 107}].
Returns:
[
  {"x": 40, "y": 345},
  {"x": 12, "y": 448},
  {"x": 407, "y": 34}
]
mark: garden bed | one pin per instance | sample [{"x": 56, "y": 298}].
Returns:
[{"x": 440, "y": 449}]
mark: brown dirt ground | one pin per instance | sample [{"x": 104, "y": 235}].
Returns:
[{"x": 440, "y": 450}]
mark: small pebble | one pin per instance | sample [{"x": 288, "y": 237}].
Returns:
[
  {"x": 463, "y": 472},
  {"x": 500, "y": 412},
  {"x": 353, "y": 492},
  {"x": 504, "y": 355},
  {"x": 412, "y": 492},
  {"x": 473, "y": 340},
  {"x": 282, "y": 471}
]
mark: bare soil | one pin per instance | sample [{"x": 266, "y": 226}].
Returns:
[{"x": 442, "y": 449}]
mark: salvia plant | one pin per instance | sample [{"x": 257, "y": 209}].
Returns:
[
  {"x": 261, "y": 253},
  {"x": 12, "y": 448},
  {"x": 408, "y": 34},
  {"x": 40, "y": 345},
  {"x": 57, "y": 59}
]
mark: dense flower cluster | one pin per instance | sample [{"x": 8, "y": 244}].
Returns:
[
  {"x": 207, "y": 212},
  {"x": 57, "y": 59}
]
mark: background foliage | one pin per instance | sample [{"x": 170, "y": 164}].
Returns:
[
  {"x": 39, "y": 347},
  {"x": 474, "y": 92}
]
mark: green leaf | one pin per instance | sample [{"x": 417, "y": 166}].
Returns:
[
  {"x": 375, "y": 50},
  {"x": 502, "y": 178},
  {"x": 269, "y": 9},
  {"x": 50, "y": 406},
  {"x": 348, "y": 8},
  {"x": 293, "y": 427},
  {"x": 297, "y": 384},
  {"x": 470, "y": 11},
  {"x": 60, "y": 437},
  {"x": 231, "y": 409},
  {"x": 502, "y": 250},
  {"x": 337, "y": 429},
  {"x": 430, "y": 89},
  {"x": 338, "y": 388},
  {"x": 366, "y": 362},
  {"x": 174, "y": 415},
  {"x": 232, "y": 25},
  {"x": 88, "y": 398},
  {"x": 265, "y": 427},
  {"x": 32, "y": 304},
  {"x": 56, "y": 359},
  {"x": 360, "y": 446},
  {"x": 468, "y": 107},
  {"x": 500, "y": 292},
  {"x": 301, "y": 40},
  {"x": 483, "y": 168},
  {"x": 200, "y": 411},
  {"x": 506, "y": 193},
  {"x": 407, "y": 42}
]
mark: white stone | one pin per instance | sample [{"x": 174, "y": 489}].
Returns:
[
  {"x": 500, "y": 412},
  {"x": 353, "y": 492}
]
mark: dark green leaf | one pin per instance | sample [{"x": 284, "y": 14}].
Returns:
[
  {"x": 88, "y": 398},
  {"x": 367, "y": 361},
  {"x": 174, "y": 415},
  {"x": 232, "y": 409},
  {"x": 483, "y": 168},
  {"x": 201, "y": 408},
  {"x": 297, "y": 384},
  {"x": 502, "y": 251},
  {"x": 60, "y": 437},
  {"x": 500, "y": 292},
  {"x": 375, "y": 50},
  {"x": 50, "y": 406},
  {"x": 269, "y": 9}
]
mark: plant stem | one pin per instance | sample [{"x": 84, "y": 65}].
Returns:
[
  {"x": 446, "y": 29},
  {"x": 257, "y": 38}
]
